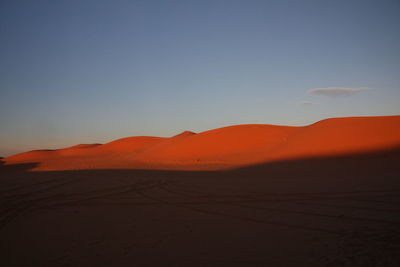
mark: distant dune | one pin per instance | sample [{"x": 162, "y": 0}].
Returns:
[
  {"x": 226, "y": 147},
  {"x": 326, "y": 194}
]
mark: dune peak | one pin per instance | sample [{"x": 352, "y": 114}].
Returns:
[
  {"x": 185, "y": 133},
  {"x": 226, "y": 147}
]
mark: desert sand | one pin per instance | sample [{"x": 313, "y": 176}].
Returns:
[
  {"x": 224, "y": 148},
  {"x": 325, "y": 194}
]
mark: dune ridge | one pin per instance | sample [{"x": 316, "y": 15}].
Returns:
[{"x": 226, "y": 147}]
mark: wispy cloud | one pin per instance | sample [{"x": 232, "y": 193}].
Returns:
[{"x": 337, "y": 91}]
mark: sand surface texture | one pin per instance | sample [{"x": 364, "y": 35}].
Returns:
[{"x": 327, "y": 194}]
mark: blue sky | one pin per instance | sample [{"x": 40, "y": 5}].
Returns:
[{"x": 93, "y": 71}]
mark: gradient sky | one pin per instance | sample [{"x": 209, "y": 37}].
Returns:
[{"x": 93, "y": 71}]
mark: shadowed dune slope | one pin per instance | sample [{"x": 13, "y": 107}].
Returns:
[
  {"x": 226, "y": 147},
  {"x": 342, "y": 136}
]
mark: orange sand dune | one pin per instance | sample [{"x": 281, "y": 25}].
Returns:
[
  {"x": 131, "y": 143},
  {"x": 226, "y": 147},
  {"x": 342, "y": 136},
  {"x": 233, "y": 144}
]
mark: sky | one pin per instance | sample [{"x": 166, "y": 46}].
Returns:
[{"x": 81, "y": 71}]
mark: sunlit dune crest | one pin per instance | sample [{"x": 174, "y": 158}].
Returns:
[
  {"x": 131, "y": 143},
  {"x": 226, "y": 147}
]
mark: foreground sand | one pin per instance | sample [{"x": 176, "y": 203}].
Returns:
[{"x": 324, "y": 210}]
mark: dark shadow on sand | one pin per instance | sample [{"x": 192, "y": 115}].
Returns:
[{"x": 345, "y": 201}]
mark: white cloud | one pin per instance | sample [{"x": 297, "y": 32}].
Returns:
[{"x": 337, "y": 91}]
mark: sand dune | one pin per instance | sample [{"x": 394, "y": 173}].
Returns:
[
  {"x": 226, "y": 147},
  {"x": 326, "y": 194}
]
